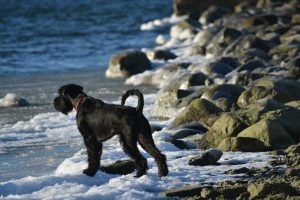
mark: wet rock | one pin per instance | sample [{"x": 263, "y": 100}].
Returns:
[
  {"x": 253, "y": 54},
  {"x": 289, "y": 87},
  {"x": 212, "y": 14},
  {"x": 284, "y": 51},
  {"x": 293, "y": 172},
  {"x": 265, "y": 19},
  {"x": 164, "y": 105},
  {"x": 226, "y": 104},
  {"x": 258, "y": 43},
  {"x": 183, "y": 30},
  {"x": 229, "y": 91},
  {"x": 251, "y": 65},
  {"x": 185, "y": 101},
  {"x": 195, "y": 125},
  {"x": 196, "y": 79},
  {"x": 231, "y": 61},
  {"x": 295, "y": 104},
  {"x": 12, "y": 100},
  {"x": 270, "y": 132},
  {"x": 225, "y": 126},
  {"x": 243, "y": 170},
  {"x": 183, "y": 191},
  {"x": 204, "y": 37},
  {"x": 184, "y": 132},
  {"x": 244, "y": 144},
  {"x": 295, "y": 19},
  {"x": 157, "y": 77},
  {"x": 228, "y": 35},
  {"x": 198, "y": 109},
  {"x": 210, "y": 68},
  {"x": 270, "y": 189},
  {"x": 244, "y": 78},
  {"x": 266, "y": 105},
  {"x": 195, "y": 7},
  {"x": 119, "y": 167},
  {"x": 229, "y": 192},
  {"x": 127, "y": 63},
  {"x": 289, "y": 118},
  {"x": 180, "y": 144},
  {"x": 222, "y": 39},
  {"x": 294, "y": 68},
  {"x": 253, "y": 94},
  {"x": 156, "y": 127},
  {"x": 294, "y": 149},
  {"x": 162, "y": 55},
  {"x": 210, "y": 157}
]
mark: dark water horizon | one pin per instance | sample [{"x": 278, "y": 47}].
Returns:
[{"x": 53, "y": 36}]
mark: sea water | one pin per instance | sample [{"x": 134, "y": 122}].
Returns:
[{"x": 48, "y": 43}]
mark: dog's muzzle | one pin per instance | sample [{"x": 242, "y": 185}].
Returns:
[{"x": 62, "y": 105}]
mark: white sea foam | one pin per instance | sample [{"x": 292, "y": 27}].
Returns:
[
  {"x": 68, "y": 182},
  {"x": 159, "y": 23}
]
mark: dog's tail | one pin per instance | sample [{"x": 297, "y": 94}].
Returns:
[{"x": 137, "y": 93}]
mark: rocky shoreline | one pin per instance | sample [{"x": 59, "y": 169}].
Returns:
[{"x": 244, "y": 96}]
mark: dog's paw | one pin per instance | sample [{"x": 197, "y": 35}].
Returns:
[{"x": 89, "y": 172}]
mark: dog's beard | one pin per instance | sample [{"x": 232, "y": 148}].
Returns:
[{"x": 62, "y": 105}]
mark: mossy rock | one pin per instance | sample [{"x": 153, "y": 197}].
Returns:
[
  {"x": 226, "y": 126},
  {"x": 289, "y": 89},
  {"x": 295, "y": 104},
  {"x": 285, "y": 50},
  {"x": 270, "y": 132},
  {"x": 268, "y": 190},
  {"x": 244, "y": 144},
  {"x": 253, "y": 94},
  {"x": 196, "y": 110},
  {"x": 229, "y": 91},
  {"x": 289, "y": 118}
]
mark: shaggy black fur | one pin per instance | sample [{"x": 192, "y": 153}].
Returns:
[{"x": 98, "y": 121}]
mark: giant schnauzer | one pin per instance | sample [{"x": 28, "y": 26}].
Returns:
[{"x": 98, "y": 121}]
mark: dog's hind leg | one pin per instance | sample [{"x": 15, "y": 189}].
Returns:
[
  {"x": 146, "y": 141},
  {"x": 94, "y": 150},
  {"x": 130, "y": 148}
]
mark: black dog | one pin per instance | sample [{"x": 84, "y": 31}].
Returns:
[{"x": 98, "y": 121}]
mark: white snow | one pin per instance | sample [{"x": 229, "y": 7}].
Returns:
[{"x": 68, "y": 182}]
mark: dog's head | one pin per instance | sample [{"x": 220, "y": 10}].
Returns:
[{"x": 63, "y": 102}]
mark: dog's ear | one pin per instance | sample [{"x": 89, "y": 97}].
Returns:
[
  {"x": 71, "y": 90},
  {"x": 75, "y": 90}
]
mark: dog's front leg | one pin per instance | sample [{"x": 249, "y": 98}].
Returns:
[{"x": 93, "y": 149}]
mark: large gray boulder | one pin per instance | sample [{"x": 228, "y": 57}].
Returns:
[
  {"x": 253, "y": 94},
  {"x": 288, "y": 87},
  {"x": 229, "y": 91},
  {"x": 226, "y": 126},
  {"x": 198, "y": 110},
  {"x": 127, "y": 63},
  {"x": 270, "y": 132},
  {"x": 244, "y": 144}
]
